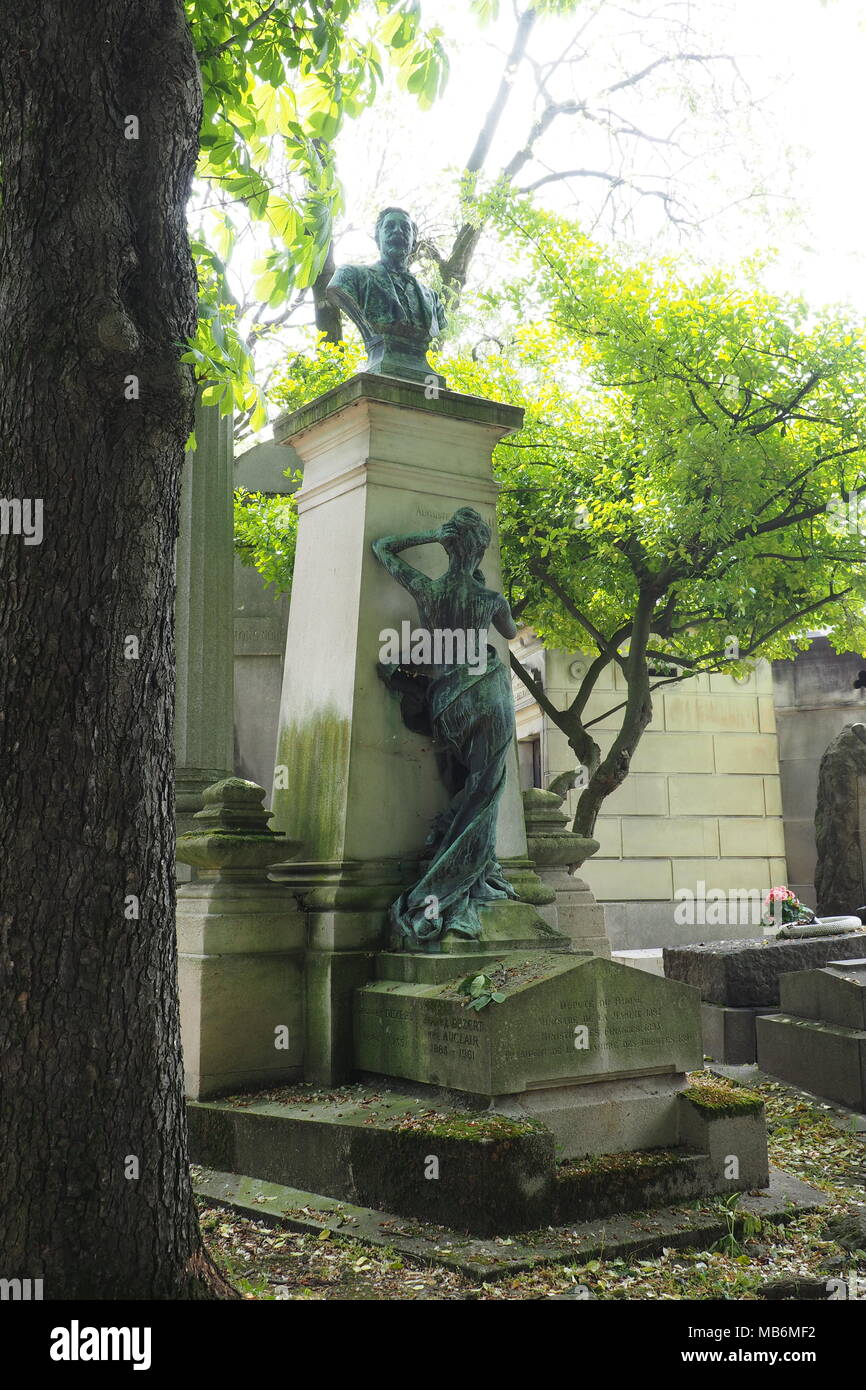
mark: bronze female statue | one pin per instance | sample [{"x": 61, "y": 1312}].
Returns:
[{"x": 468, "y": 709}]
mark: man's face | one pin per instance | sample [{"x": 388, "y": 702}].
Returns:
[{"x": 395, "y": 238}]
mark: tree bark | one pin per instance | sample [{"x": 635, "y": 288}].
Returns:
[
  {"x": 97, "y": 290},
  {"x": 613, "y": 768}
]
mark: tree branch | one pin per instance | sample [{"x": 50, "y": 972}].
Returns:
[
  {"x": 662, "y": 62},
  {"x": 536, "y": 691},
  {"x": 243, "y": 33},
  {"x": 481, "y": 148},
  {"x": 587, "y": 685},
  {"x": 568, "y": 603}
]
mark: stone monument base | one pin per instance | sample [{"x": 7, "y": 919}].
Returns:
[
  {"x": 593, "y": 1050},
  {"x": 578, "y": 913},
  {"x": 482, "y": 1173},
  {"x": 563, "y": 1019},
  {"x": 562, "y": 1097}
]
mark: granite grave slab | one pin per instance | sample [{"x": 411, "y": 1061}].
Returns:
[
  {"x": 818, "y": 1039},
  {"x": 745, "y": 974}
]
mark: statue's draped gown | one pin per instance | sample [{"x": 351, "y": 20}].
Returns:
[{"x": 471, "y": 713}]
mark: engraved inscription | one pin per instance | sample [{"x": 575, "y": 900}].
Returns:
[
  {"x": 530, "y": 1039},
  {"x": 433, "y": 514},
  {"x": 257, "y": 638}
]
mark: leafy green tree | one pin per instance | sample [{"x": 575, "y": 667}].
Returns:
[
  {"x": 266, "y": 524},
  {"x": 266, "y": 530},
  {"x": 683, "y": 497}
]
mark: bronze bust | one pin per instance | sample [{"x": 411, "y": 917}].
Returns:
[{"x": 397, "y": 315}]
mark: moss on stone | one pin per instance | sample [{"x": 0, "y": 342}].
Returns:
[
  {"x": 478, "y": 1129},
  {"x": 507, "y": 974},
  {"x": 638, "y": 1162},
  {"x": 304, "y": 1094},
  {"x": 600, "y": 1184},
  {"x": 719, "y": 1098}
]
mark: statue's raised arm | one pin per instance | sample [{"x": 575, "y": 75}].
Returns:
[{"x": 387, "y": 551}]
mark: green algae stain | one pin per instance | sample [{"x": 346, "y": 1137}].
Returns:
[{"x": 311, "y": 783}]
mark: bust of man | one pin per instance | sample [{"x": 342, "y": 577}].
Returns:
[{"x": 397, "y": 315}]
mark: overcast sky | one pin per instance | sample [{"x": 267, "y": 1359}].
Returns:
[{"x": 804, "y": 60}]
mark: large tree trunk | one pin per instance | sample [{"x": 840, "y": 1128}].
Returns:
[{"x": 96, "y": 288}]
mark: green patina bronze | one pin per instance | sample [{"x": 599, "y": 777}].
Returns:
[
  {"x": 398, "y": 316},
  {"x": 467, "y": 707}
]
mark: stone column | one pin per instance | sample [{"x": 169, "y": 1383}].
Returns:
[
  {"x": 204, "y": 617},
  {"x": 261, "y": 619},
  {"x": 557, "y": 852},
  {"x": 359, "y": 789}
]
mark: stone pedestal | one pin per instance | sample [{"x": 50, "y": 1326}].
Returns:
[
  {"x": 204, "y": 618},
  {"x": 563, "y": 1020},
  {"x": 556, "y": 853},
  {"x": 241, "y": 945},
  {"x": 595, "y": 1051},
  {"x": 360, "y": 790}
]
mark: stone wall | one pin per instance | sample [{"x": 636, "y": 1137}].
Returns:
[
  {"x": 260, "y": 622},
  {"x": 203, "y": 634},
  {"x": 815, "y": 699},
  {"x": 702, "y": 804},
  {"x": 260, "y": 640}
]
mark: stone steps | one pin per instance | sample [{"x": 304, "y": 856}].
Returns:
[{"x": 479, "y": 1171}]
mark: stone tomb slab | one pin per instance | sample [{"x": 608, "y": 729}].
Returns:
[
  {"x": 565, "y": 1020},
  {"x": 836, "y": 994},
  {"x": 821, "y": 1058},
  {"x": 818, "y": 1041},
  {"x": 745, "y": 974}
]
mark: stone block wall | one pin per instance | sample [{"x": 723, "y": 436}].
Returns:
[
  {"x": 815, "y": 699},
  {"x": 701, "y": 805}
]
